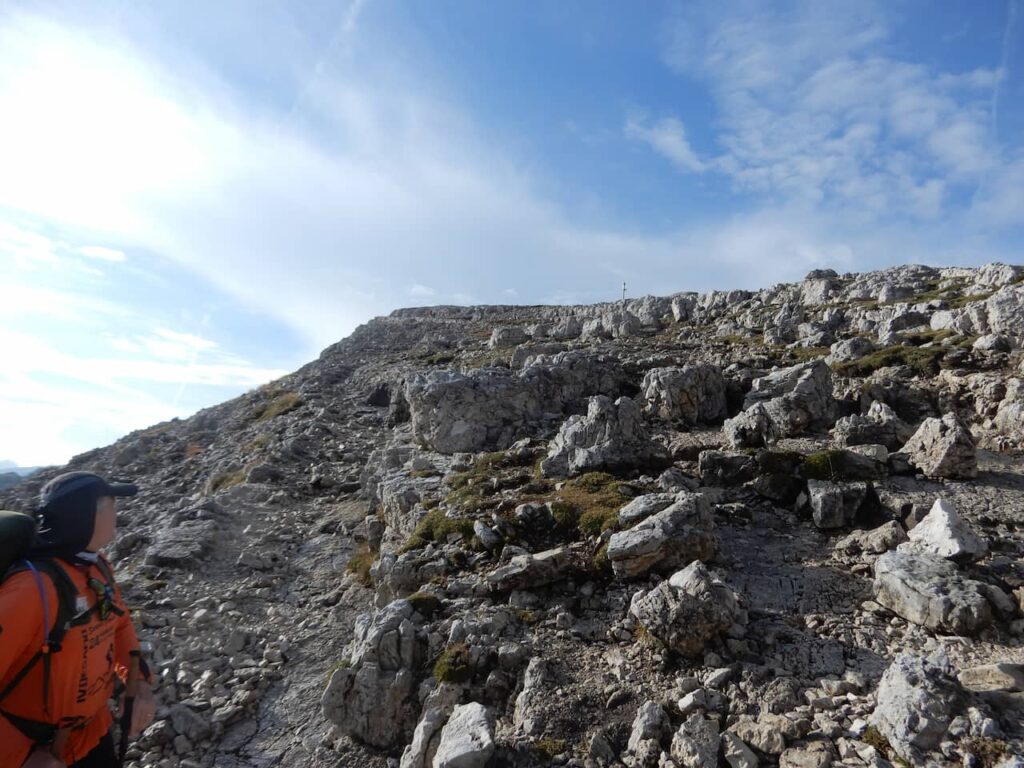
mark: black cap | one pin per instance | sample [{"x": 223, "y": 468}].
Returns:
[
  {"x": 85, "y": 483},
  {"x": 67, "y": 511}
]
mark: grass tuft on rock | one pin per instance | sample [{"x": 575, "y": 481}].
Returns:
[
  {"x": 282, "y": 403},
  {"x": 437, "y": 527},
  {"x": 925, "y": 361},
  {"x": 453, "y": 665},
  {"x": 359, "y": 564},
  {"x": 225, "y": 480},
  {"x": 989, "y": 751},
  {"x": 589, "y": 503},
  {"x": 600, "y": 564},
  {"x": 547, "y": 748},
  {"x": 425, "y": 604},
  {"x": 874, "y": 738}
]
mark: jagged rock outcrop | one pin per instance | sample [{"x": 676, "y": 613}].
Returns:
[
  {"x": 488, "y": 409},
  {"x": 944, "y": 533},
  {"x": 403, "y": 464},
  {"x": 880, "y": 426},
  {"x": 795, "y": 401},
  {"x": 691, "y": 395},
  {"x": 611, "y": 435},
  {"x": 688, "y": 610},
  {"x": 675, "y": 536},
  {"x": 943, "y": 448},
  {"x": 373, "y": 698}
]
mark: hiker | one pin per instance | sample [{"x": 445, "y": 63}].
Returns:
[{"x": 66, "y": 636}]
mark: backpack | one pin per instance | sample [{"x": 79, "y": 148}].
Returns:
[{"x": 17, "y": 535}]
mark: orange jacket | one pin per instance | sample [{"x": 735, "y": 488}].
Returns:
[{"x": 81, "y": 674}]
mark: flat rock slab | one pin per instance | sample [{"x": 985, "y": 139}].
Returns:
[
  {"x": 183, "y": 545},
  {"x": 928, "y": 590},
  {"x": 994, "y": 677}
]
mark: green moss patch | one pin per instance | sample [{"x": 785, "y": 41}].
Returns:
[
  {"x": 425, "y": 604},
  {"x": 472, "y": 491},
  {"x": 453, "y": 665},
  {"x": 836, "y": 466}
]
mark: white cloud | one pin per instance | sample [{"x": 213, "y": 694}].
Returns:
[
  {"x": 814, "y": 106},
  {"x": 102, "y": 253},
  {"x": 422, "y": 291},
  {"x": 46, "y": 421},
  {"x": 172, "y": 345},
  {"x": 667, "y": 137},
  {"x": 25, "y": 247}
]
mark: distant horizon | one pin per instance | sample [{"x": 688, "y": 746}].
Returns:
[{"x": 198, "y": 198}]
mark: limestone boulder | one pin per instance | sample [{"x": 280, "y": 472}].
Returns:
[
  {"x": 691, "y": 395},
  {"x": 531, "y": 570},
  {"x": 488, "y": 409},
  {"x": 528, "y": 715},
  {"x": 850, "y": 349},
  {"x": 944, "y": 533},
  {"x": 1005, "y": 310},
  {"x": 689, "y": 609},
  {"x": 673, "y": 537},
  {"x": 795, "y": 401},
  {"x": 510, "y": 336},
  {"x": 943, "y": 448},
  {"x": 835, "y": 505},
  {"x": 752, "y": 428},
  {"x": 917, "y": 697},
  {"x": 874, "y": 542},
  {"x": 696, "y": 742},
  {"x": 373, "y": 698},
  {"x": 928, "y": 590},
  {"x": 879, "y": 426},
  {"x": 467, "y": 740},
  {"x": 650, "y": 727},
  {"x": 611, "y": 435}
]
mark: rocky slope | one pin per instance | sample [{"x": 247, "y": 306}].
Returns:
[{"x": 780, "y": 527}]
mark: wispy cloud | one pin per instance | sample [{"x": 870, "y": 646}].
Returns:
[
  {"x": 814, "y": 107},
  {"x": 422, "y": 291},
  {"x": 45, "y": 420},
  {"x": 102, "y": 253},
  {"x": 667, "y": 137}
]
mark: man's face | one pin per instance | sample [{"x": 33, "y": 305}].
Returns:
[{"x": 106, "y": 523}]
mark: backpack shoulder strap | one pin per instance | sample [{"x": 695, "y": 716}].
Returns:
[{"x": 108, "y": 573}]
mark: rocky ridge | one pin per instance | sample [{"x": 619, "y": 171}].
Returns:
[{"x": 777, "y": 527}]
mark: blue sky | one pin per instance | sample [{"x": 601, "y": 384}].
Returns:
[{"x": 198, "y": 197}]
